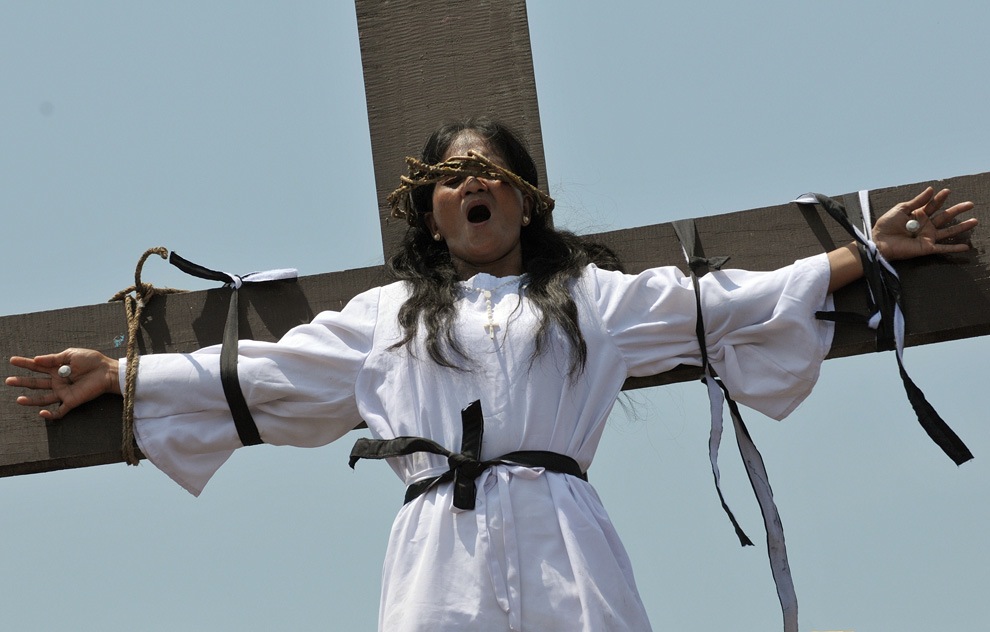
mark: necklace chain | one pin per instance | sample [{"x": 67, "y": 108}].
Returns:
[{"x": 491, "y": 325}]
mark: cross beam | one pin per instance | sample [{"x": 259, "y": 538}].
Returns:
[
  {"x": 477, "y": 58},
  {"x": 946, "y": 298}
]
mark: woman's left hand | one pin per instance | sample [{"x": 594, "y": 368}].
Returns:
[
  {"x": 65, "y": 380},
  {"x": 895, "y": 241}
]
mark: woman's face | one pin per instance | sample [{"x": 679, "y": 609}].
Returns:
[{"x": 479, "y": 219}]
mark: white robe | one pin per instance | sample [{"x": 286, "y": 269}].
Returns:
[{"x": 539, "y": 551}]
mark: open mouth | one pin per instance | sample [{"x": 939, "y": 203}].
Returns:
[{"x": 478, "y": 214}]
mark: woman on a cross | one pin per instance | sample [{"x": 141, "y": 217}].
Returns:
[{"x": 485, "y": 374}]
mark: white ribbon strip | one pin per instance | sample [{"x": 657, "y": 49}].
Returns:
[
  {"x": 498, "y": 537},
  {"x": 866, "y": 235},
  {"x": 864, "y": 203},
  {"x": 756, "y": 471},
  {"x": 278, "y": 274}
]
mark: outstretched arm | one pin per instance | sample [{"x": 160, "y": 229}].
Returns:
[
  {"x": 895, "y": 241},
  {"x": 91, "y": 374}
]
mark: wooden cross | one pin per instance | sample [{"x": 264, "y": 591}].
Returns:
[
  {"x": 401, "y": 43},
  {"x": 959, "y": 290}
]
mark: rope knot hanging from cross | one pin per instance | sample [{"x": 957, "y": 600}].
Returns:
[{"x": 136, "y": 298}]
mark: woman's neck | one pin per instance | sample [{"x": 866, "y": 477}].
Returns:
[{"x": 502, "y": 267}]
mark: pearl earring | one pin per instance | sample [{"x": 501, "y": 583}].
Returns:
[
  {"x": 525, "y": 220},
  {"x": 437, "y": 237}
]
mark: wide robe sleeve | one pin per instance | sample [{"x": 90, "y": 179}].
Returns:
[
  {"x": 300, "y": 390},
  {"x": 762, "y": 334}
]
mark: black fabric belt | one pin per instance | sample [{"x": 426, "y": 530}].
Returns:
[{"x": 465, "y": 466}]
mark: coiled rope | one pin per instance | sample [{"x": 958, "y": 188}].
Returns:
[{"x": 136, "y": 298}]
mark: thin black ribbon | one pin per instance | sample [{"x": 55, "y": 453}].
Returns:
[
  {"x": 244, "y": 422},
  {"x": 718, "y": 394},
  {"x": 465, "y": 466},
  {"x": 699, "y": 265},
  {"x": 885, "y": 300}
]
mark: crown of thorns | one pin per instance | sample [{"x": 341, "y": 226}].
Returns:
[{"x": 474, "y": 164}]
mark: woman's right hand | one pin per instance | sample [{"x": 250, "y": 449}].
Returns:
[{"x": 91, "y": 374}]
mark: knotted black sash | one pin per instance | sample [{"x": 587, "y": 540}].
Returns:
[{"x": 465, "y": 466}]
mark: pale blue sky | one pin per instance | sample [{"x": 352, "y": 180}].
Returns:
[{"x": 236, "y": 134}]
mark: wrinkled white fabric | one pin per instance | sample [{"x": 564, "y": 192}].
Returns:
[{"x": 538, "y": 552}]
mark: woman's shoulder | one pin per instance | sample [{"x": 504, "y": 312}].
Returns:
[
  {"x": 602, "y": 277},
  {"x": 381, "y": 298}
]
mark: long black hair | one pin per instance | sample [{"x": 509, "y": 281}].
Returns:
[{"x": 551, "y": 258}]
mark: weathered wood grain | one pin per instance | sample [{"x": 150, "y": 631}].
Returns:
[{"x": 427, "y": 62}]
